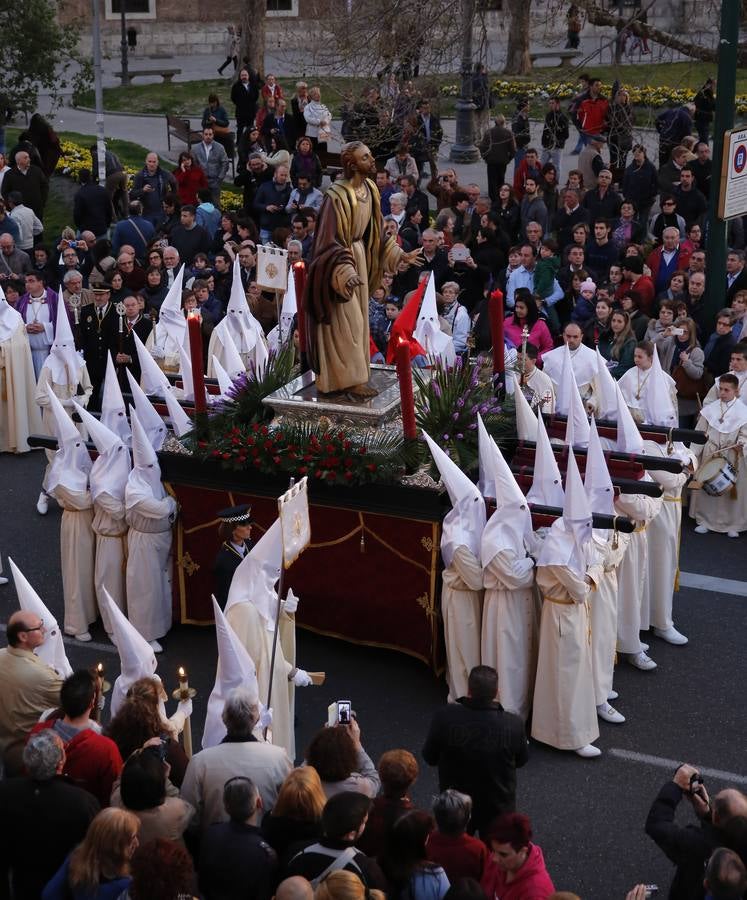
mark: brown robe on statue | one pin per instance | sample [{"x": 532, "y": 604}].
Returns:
[{"x": 349, "y": 241}]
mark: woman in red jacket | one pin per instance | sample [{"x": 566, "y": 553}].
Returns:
[
  {"x": 189, "y": 179},
  {"x": 516, "y": 869}
]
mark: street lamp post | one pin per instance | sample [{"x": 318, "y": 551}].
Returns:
[
  {"x": 98, "y": 92},
  {"x": 463, "y": 150},
  {"x": 123, "y": 42}
]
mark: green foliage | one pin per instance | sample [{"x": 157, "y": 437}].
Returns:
[
  {"x": 446, "y": 407},
  {"x": 38, "y": 54}
]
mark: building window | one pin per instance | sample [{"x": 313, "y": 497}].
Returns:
[
  {"x": 134, "y": 9},
  {"x": 282, "y": 8}
]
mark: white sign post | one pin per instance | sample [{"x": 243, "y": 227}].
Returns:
[{"x": 732, "y": 201}]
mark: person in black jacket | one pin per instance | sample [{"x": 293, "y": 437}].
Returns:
[
  {"x": 244, "y": 96},
  {"x": 92, "y": 207},
  {"x": 640, "y": 182},
  {"x": 99, "y": 336},
  {"x": 477, "y": 747},
  {"x": 235, "y": 534},
  {"x": 690, "y": 846}
]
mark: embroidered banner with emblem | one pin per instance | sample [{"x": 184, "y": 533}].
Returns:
[
  {"x": 272, "y": 268},
  {"x": 293, "y": 509}
]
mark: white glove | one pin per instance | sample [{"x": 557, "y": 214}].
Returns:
[
  {"x": 301, "y": 678},
  {"x": 185, "y": 707},
  {"x": 291, "y": 603},
  {"x": 265, "y": 716},
  {"x": 523, "y": 567},
  {"x": 101, "y": 702},
  {"x": 68, "y": 404},
  {"x": 157, "y": 353}
]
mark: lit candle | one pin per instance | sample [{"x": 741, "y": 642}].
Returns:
[
  {"x": 194, "y": 325},
  {"x": 407, "y": 400},
  {"x": 299, "y": 277},
  {"x": 185, "y": 693},
  {"x": 496, "y": 332},
  {"x": 183, "y": 683}
]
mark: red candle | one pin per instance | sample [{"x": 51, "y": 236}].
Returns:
[
  {"x": 407, "y": 399},
  {"x": 299, "y": 277},
  {"x": 194, "y": 325},
  {"x": 496, "y": 332}
]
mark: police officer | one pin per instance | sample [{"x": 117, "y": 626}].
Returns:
[
  {"x": 235, "y": 533},
  {"x": 99, "y": 335}
]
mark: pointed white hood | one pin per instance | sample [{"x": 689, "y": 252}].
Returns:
[
  {"x": 153, "y": 379},
  {"x": 510, "y": 526},
  {"x": 257, "y": 574},
  {"x": 137, "y": 659},
  {"x": 629, "y": 438},
  {"x": 185, "y": 370},
  {"x": 659, "y": 402},
  {"x": 113, "y": 409},
  {"x": 171, "y": 321},
  {"x": 526, "y": 420},
  {"x": 225, "y": 382},
  {"x": 144, "y": 482},
  {"x": 606, "y": 389},
  {"x": 235, "y": 669},
  {"x": 71, "y": 463},
  {"x": 149, "y": 418},
  {"x": 428, "y": 329},
  {"x": 289, "y": 308},
  {"x": 10, "y": 319},
  {"x": 180, "y": 421},
  {"x": 568, "y": 542},
  {"x": 52, "y": 651},
  {"x": 64, "y": 361},
  {"x": 547, "y": 486},
  {"x": 260, "y": 358},
  {"x": 486, "y": 481},
  {"x": 597, "y": 482},
  {"x": 234, "y": 364},
  {"x": 111, "y": 468},
  {"x": 243, "y": 327},
  {"x": 463, "y": 525},
  {"x": 577, "y": 426}
]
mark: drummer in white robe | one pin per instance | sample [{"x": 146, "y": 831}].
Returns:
[
  {"x": 725, "y": 423},
  {"x": 565, "y": 714},
  {"x": 19, "y": 414},
  {"x": 65, "y": 372},
  {"x": 68, "y": 484},
  {"x": 164, "y": 340},
  {"x": 738, "y": 367},
  {"x": 108, "y": 480},
  {"x": 461, "y": 594},
  {"x": 583, "y": 360},
  {"x": 660, "y": 408},
  {"x": 610, "y": 548},
  {"x": 509, "y": 618},
  {"x": 150, "y": 515},
  {"x": 243, "y": 329},
  {"x": 251, "y": 610},
  {"x": 632, "y": 581}
]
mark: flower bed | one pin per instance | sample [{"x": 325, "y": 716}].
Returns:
[
  {"x": 75, "y": 157},
  {"x": 640, "y": 95}
]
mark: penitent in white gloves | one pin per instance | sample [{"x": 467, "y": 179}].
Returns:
[
  {"x": 290, "y": 604},
  {"x": 301, "y": 678},
  {"x": 185, "y": 706},
  {"x": 524, "y": 566},
  {"x": 265, "y": 716}
]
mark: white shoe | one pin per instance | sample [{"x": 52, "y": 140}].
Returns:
[
  {"x": 588, "y": 752},
  {"x": 3, "y": 580},
  {"x": 610, "y": 714},
  {"x": 84, "y": 636},
  {"x": 641, "y": 661},
  {"x": 155, "y": 646},
  {"x": 42, "y": 504},
  {"x": 732, "y": 534},
  {"x": 644, "y": 646},
  {"x": 671, "y": 636},
  {"x": 701, "y": 529},
  {"x": 613, "y": 695}
]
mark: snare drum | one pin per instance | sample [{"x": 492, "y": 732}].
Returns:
[{"x": 717, "y": 476}]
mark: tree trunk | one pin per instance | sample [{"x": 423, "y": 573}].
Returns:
[
  {"x": 252, "y": 50},
  {"x": 598, "y": 16},
  {"x": 518, "y": 61}
]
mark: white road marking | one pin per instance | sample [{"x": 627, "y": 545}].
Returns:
[
  {"x": 81, "y": 645},
  {"x": 711, "y": 583},
  {"x": 671, "y": 764}
]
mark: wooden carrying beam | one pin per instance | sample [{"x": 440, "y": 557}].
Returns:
[
  {"x": 660, "y": 434},
  {"x": 525, "y": 476},
  {"x": 546, "y": 515},
  {"x": 655, "y": 463}
]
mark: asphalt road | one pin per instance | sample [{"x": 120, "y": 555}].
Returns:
[{"x": 588, "y": 815}]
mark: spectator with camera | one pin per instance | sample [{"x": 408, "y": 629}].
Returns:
[
  {"x": 690, "y": 846},
  {"x": 338, "y": 756}
]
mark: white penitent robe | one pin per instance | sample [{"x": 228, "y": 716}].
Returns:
[
  {"x": 149, "y": 566},
  {"x": 539, "y": 390},
  {"x": 254, "y": 634},
  {"x": 77, "y": 554},
  {"x": 19, "y": 414},
  {"x": 633, "y": 591},
  {"x": 604, "y": 616},
  {"x": 565, "y": 714},
  {"x": 509, "y": 631},
  {"x": 724, "y": 513},
  {"x": 164, "y": 350},
  {"x": 217, "y": 349},
  {"x": 110, "y": 528},
  {"x": 461, "y": 608},
  {"x": 63, "y": 392}
]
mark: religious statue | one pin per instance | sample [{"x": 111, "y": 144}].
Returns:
[{"x": 351, "y": 252}]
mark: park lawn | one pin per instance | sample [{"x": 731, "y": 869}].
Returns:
[{"x": 189, "y": 98}]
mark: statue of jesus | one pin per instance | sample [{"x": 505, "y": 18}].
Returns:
[{"x": 351, "y": 252}]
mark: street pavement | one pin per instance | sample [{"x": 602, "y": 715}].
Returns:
[{"x": 588, "y": 815}]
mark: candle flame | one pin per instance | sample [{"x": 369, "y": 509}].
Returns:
[
  {"x": 299, "y": 265},
  {"x": 193, "y": 314},
  {"x": 181, "y": 672},
  {"x": 100, "y": 668}
]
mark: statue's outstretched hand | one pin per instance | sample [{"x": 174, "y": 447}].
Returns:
[
  {"x": 352, "y": 283},
  {"x": 414, "y": 257}
]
